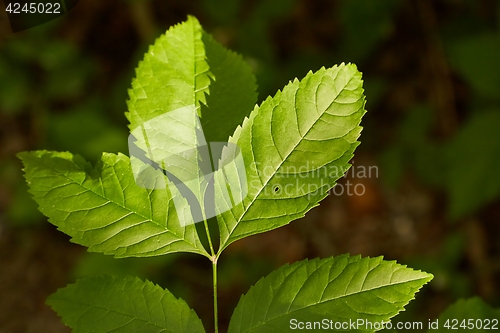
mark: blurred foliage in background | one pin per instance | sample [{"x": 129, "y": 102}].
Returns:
[{"x": 432, "y": 80}]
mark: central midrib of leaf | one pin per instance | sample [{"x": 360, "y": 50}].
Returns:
[
  {"x": 196, "y": 55},
  {"x": 283, "y": 160},
  {"x": 199, "y": 56}
]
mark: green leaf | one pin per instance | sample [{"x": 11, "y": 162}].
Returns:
[
  {"x": 473, "y": 177},
  {"x": 115, "y": 304},
  {"x": 472, "y": 313},
  {"x": 186, "y": 76},
  {"x": 368, "y": 21},
  {"x": 295, "y": 146},
  {"x": 104, "y": 209},
  {"x": 338, "y": 289},
  {"x": 186, "y": 67},
  {"x": 475, "y": 57},
  {"x": 173, "y": 74},
  {"x": 232, "y": 95}
]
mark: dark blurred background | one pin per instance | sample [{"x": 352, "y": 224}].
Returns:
[{"x": 431, "y": 141}]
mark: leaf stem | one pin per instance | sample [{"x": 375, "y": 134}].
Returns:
[
  {"x": 207, "y": 230},
  {"x": 213, "y": 258},
  {"x": 214, "y": 275}
]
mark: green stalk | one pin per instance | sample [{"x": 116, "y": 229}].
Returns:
[
  {"x": 214, "y": 275},
  {"x": 212, "y": 252},
  {"x": 214, "y": 264}
]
